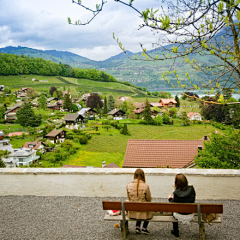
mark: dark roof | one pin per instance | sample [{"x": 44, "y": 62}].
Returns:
[
  {"x": 73, "y": 117},
  {"x": 54, "y": 133},
  {"x": 161, "y": 153},
  {"x": 114, "y": 111}
]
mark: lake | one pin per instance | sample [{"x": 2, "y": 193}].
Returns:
[{"x": 200, "y": 93}]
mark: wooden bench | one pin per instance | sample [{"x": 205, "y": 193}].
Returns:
[{"x": 164, "y": 211}]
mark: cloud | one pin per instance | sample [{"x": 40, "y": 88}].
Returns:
[{"x": 43, "y": 25}]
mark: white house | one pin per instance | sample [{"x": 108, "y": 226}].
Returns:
[
  {"x": 194, "y": 116},
  {"x": 5, "y": 143},
  {"x": 21, "y": 157}
]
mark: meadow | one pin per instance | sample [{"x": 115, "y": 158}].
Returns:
[
  {"x": 74, "y": 85},
  {"x": 110, "y": 145}
]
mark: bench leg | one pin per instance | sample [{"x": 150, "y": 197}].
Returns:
[
  {"x": 201, "y": 231},
  {"x": 124, "y": 229}
]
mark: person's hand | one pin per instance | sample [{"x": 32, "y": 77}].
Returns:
[{"x": 170, "y": 196}]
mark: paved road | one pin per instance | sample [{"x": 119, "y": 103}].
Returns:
[{"x": 32, "y": 217}]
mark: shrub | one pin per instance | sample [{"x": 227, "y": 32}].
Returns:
[
  {"x": 124, "y": 130},
  {"x": 172, "y": 111},
  {"x": 132, "y": 116},
  {"x": 67, "y": 144},
  {"x": 83, "y": 139},
  {"x": 110, "y": 117},
  {"x": 165, "y": 118},
  {"x": 105, "y": 122},
  {"x": 158, "y": 120}
]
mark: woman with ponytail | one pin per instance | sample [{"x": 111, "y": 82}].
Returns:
[{"x": 138, "y": 191}]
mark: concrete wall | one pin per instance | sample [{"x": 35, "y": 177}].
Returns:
[{"x": 104, "y": 182}]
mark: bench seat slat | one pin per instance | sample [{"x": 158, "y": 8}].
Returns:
[
  {"x": 155, "y": 219},
  {"x": 163, "y": 207}
]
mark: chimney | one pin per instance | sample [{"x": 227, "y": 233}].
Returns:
[
  {"x": 205, "y": 138},
  {"x": 199, "y": 149},
  {"x": 103, "y": 164}
]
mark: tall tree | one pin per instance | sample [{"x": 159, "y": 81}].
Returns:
[
  {"x": 52, "y": 90},
  {"x": 94, "y": 100},
  {"x": 67, "y": 102},
  {"x": 26, "y": 116},
  {"x": 177, "y": 100},
  {"x": 147, "y": 113},
  {"x": 110, "y": 103},
  {"x": 42, "y": 101},
  {"x": 105, "y": 111}
]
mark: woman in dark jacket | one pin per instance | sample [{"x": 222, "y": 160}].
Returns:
[{"x": 182, "y": 194}]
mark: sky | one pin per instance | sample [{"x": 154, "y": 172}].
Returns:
[{"x": 43, "y": 25}]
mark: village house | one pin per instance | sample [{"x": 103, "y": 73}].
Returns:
[
  {"x": 85, "y": 97},
  {"x": 21, "y": 157},
  {"x": 56, "y": 135},
  {"x": 5, "y": 143},
  {"x": 66, "y": 92},
  {"x": 139, "y": 112},
  {"x": 122, "y": 99},
  {"x": 34, "y": 145},
  {"x": 154, "y": 104},
  {"x": 161, "y": 153},
  {"x": 48, "y": 100},
  {"x": 139, "y": 105},
  {"x": 87, "y": 113},
  {"x": 117, "y": 114},
  {"x": 194, "y": 116},
  {"x": 73, "y": 120},
  {"x": 10, "y": 114},
  {"x": 168, "y": 102},
  {"x": 58, "y": 105}
]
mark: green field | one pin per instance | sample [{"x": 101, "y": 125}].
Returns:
[
  {"x": 110, "y": 146},
  {"x": 74, "y": 85}
]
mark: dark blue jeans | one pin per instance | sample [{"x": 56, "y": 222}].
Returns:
[{"x": 145, "y": 224}]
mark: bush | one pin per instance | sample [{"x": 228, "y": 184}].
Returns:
[
  {"x": 105, "y": 122},
  {"x": 132, "y": 116},
  {"x": 83, "y": 139},
  {"x": 165, "y": 118},
  {"x": 69, "y": 136},
  {"x": 158, "y": 120},
  {"x": 172, "y": 111},
  {"x": 110, "y": 117},
  {"x": 124, "y": 130}
]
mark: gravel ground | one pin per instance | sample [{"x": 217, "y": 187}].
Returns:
[{"x": 33, "y": 217}]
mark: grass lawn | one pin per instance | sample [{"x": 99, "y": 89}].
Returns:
[
  {"x": 88, "y": 158},
  {"x": 110, "y": 146}
]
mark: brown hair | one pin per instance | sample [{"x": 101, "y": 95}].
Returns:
[
  {"x": 181, "y": 182},
  {"x": 139, "y": 175}
]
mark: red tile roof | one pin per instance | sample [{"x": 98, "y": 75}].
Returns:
[
  {"x": 138, "y": 111},
  {"x": 168, "y": 100},
  {"x": 140, "y": 105},
  {"x": 161, "y": 153},
  {"x": 17, "y": 134},
  {"x": 35, "y": 144},
  {"x": 112, "y": 165},
  {"x": 191, "y": 114}
]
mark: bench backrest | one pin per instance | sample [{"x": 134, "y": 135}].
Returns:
[{"x": 163, "y": 207}]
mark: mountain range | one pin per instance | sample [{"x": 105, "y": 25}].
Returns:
[{"x": 140, "y": 73}]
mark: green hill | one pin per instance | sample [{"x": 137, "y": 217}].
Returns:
[{"x": 76, "y": 86}]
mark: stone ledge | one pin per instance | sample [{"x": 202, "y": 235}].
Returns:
[{"x": 122, "y": 171}]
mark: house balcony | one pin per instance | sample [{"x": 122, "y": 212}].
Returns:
[
  {"x": 27, "y": 161},
  {"x": 66, "y": 203}
]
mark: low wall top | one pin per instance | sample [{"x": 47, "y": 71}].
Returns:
[{"x": 117, "y": 171}]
